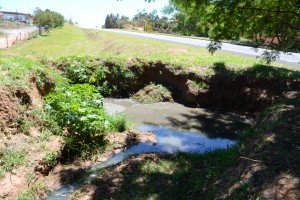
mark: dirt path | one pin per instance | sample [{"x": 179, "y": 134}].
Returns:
[{"x": 13, "y": 36}]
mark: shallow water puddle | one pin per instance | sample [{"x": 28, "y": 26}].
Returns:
[{"x": 171, "y": 137}]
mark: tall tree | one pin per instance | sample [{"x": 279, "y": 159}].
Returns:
[{"x": 48, "y": 19}]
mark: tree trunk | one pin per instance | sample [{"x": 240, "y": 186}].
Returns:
[{"x": 40, "y": 30}]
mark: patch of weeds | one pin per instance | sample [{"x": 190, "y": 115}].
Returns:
[
  {"x": 24, "y": 125},
  {"x": 11, "y": 158},
  {"x": 2, "y": 173},
  {"x": 45, "y": 135},
  {"x": 27, "y": 195},
  {"x": 163, "y": 166},
  {"x": 30, "y": 177},
  {"x": 119, "y": 123},
  {"x": 242, "y": 192},
  {"x": 50, "y": 159},
  {"x": 200, "y": 84},
  {"x": 45, "y": 121},
  {"x": 34, "y": 192},
  {"x": 44, "y": 83}
]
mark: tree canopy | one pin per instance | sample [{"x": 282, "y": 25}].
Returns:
[
  {"x": 278, "y": 20},
  {"x": 48, "y": 19},
  {"x": 148, "y": 21}
]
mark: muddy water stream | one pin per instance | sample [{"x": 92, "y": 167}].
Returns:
[{"x": 177, "y": 128}]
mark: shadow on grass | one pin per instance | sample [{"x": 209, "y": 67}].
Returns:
[
  {"x": 258, "y": 70},
  {"x": 150, "y": 176},
  {"x": 269, "y": 163}
]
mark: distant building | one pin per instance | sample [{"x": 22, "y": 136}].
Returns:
[{"x": 18, "y": 17}]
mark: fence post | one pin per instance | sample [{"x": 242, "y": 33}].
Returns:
[
  {"x": 7, "y": 42},
  {"x": 20, "y": 37}
]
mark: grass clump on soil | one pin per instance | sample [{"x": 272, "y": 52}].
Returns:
[
  {"x": 153, "y": 93},
  {"x": 9, "y": 159},
  {"x": 33, "y": 192}
]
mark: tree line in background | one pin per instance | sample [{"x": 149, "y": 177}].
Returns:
[
  {"x": 172, "y": 21},
  {"x": 47, "y": 19},
  {"x": 148, "y": 22},
  {"x": 275, "y": 23}
]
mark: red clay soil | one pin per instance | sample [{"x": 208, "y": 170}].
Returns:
[
  {"x": 9, "y": 111},
  {"x": 15, "y": 105}
]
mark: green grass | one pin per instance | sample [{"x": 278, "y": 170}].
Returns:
[
  {"x": 71, "y": 40},
  {"x": 11, "y": 158},
  {"x": 36, "y": 191},
  {"x": 18, "y": 71}
]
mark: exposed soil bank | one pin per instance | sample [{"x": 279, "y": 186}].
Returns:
[{"x": 225, "y": 89}]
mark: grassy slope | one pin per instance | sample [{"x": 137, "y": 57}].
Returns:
[{"x": 71, "y": 40}]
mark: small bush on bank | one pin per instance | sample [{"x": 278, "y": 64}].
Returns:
[
  {"x": 119, "y": 123},
  {"x": 79, "y": 109},
  {"x": 153, "y": 93}
]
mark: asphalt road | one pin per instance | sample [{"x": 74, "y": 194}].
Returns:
[{"x": 288, "y": 58}]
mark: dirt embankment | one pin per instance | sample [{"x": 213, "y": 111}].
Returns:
[
  {"x": 228, "y": 90},
  {"x": 23, "y": 142}
]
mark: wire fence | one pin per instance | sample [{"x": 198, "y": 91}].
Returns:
[{"x": 12, "y": 39}]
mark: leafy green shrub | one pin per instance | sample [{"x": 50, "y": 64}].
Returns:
[
  {"x": 81, "y": 69},
  {"x": 110, "y": 77},
  {"x": 79, "y": 109}
]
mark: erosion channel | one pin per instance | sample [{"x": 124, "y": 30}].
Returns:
[{"x": 177, "y": 128}]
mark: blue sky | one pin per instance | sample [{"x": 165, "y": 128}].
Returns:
[{"x": 88, "y": 13}]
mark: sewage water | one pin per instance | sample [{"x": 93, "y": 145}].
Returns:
[{"x": 177, "y": 129}]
